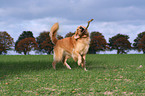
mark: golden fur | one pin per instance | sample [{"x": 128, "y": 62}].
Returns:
[{"x": 76, "y": 46}]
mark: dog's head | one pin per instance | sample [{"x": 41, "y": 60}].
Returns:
[{"x": 81, "y": 32}]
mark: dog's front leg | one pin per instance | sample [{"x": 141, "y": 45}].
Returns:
[
  {"x": 77, "y": 56},
  {"x": 84, "y": 62},
  {"x": 64, "y": 62},
  {"x": 79, "y": 59}
]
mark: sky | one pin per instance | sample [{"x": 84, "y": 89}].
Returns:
[{"x": 110, "y": 16}]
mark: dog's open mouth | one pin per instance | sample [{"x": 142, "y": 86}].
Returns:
[{"x": 83, "y": 31}]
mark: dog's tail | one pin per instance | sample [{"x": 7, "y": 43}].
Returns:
[{"x": 53, "y": 33}]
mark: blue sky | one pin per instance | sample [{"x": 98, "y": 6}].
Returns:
[{"x": 110, "y": 16}]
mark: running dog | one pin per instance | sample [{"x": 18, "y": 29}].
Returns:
[{"x": 76, "y": 46}]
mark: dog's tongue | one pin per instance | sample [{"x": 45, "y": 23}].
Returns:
[{"x": 77, "y": 36}]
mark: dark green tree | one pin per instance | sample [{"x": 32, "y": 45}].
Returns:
[
  {"x": 25, "y": 34},
  {"x": 120, "y": 43},
  {"x": 59, "y": 37},
  {"x": 69, "y": 34}
]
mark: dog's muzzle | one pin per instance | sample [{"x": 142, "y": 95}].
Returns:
[{"x": 82, "y": 29}]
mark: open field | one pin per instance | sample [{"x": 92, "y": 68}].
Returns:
[{"x": 107, "y": 75}]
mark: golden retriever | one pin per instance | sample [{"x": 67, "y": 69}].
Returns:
[{"x": 76, "y": 46}]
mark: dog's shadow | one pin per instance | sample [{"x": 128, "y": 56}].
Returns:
[
  {"x": 100, "y": 65},
  {"x": 90, "y": 65},
  {"x": 95, "y": 65}
]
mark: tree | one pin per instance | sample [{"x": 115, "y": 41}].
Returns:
[
  {"x": 69, "y": 34},
  {"x": 6, "y": 42},
  {"x": 139, "y": 42},
  {"x": 44, "y": 43},
  {"x": 59, "y": 37},
  {"x": 26, "y": 45},
  {"x": 120, "y": 43},
  {"x": 98, "y": 43},
  {"x": 24, "y": 35}
]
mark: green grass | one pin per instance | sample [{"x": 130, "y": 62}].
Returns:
[{"x": 107, "y": 75}]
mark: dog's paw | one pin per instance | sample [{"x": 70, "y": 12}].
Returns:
[
  {"x": 79, "y": 62},
  {"x": 68, "y": 66},
  {"x": 85, "y": 69}
]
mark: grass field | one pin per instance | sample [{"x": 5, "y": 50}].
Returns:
[{"x": 107, "y": 75}]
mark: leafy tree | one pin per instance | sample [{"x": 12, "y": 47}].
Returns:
[
  {"x": 120, "y": 43},
  {"x": 69, "y": 34},
  {"x": 139, "y": 42},
  {"x": 98, "y": 43},
  {"x": 24, "y": 35},
  {"x": 6, "y": 42},
  {"x": 59, "y": 37},
  {"x": 25, "y": 45},
  {"x": 94, "y": 33},
  {"x": 44, "y": 43}
]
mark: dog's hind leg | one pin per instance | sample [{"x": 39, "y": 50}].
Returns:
[
  {"x": 57, "y": 57},
  {"x": 54, "y": 64},
  {"x": 54, "y": 61},
  {"x": 64, "y": 62}
]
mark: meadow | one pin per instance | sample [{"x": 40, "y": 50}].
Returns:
[{"x": 110, "y": 74}]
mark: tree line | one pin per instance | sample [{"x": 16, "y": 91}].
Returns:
[{"x": 42, "y": 44}]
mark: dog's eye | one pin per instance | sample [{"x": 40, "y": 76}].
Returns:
[{"x": 82, "y": 29}]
